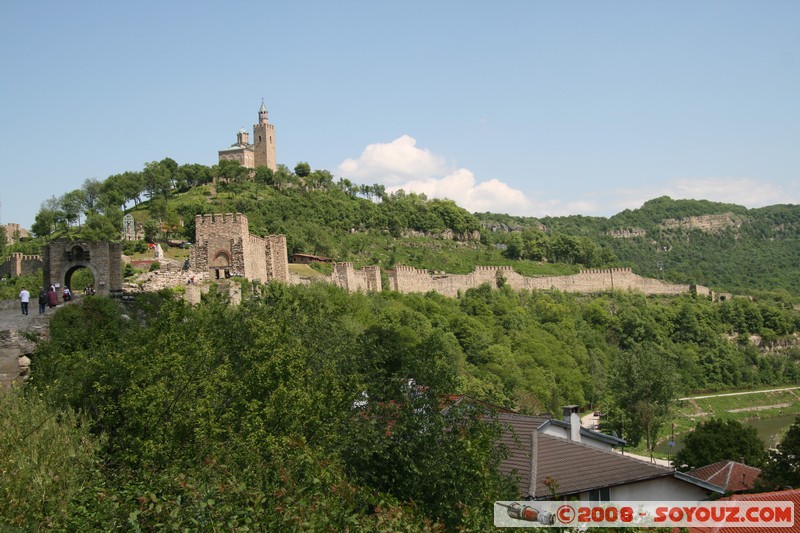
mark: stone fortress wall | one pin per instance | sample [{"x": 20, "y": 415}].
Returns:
[
  {"x": 277, "y": 258},
  {"x": 223, "y": 243},
  {"x": 224, "y": 247},
  {"x": 18, "y": 264},
  {"x": 14, "y": 232},
  {"x": 408, "y": 279},
  {"x": 368, "y": 279}
]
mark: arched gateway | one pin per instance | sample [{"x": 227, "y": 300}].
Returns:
[{"x": 62, "y": 258}]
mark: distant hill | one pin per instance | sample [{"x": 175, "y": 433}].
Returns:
[{"x": 724, "y": 246}]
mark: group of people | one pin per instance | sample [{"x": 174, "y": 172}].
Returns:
[{"x": 49, "y": 298}]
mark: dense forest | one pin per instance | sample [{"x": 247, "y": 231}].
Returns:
[{"x": 315, "y": 409}]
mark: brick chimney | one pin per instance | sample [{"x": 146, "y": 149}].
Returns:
[{"x": 571, "y": 417}]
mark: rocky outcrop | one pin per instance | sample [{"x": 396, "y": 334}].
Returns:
[
  {"x": 706, "y": 223},
  {"x": 448, "y": 235},
  {"x": 18, "y": 337},
  {"x": 171, "y": 274},
  {"x": 506, "y": 228},
  {"x": 629, "y": 233}
]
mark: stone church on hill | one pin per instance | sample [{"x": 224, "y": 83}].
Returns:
[{"x": 261, "y": 152}]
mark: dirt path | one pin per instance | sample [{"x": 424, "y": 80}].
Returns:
[
  {"x": 759, "y": 408},
  {"x": 661, "y": 462},
  {"x": 737, "y": 393}
]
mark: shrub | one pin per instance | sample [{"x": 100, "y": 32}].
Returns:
[{"x": 48, "y": 458}]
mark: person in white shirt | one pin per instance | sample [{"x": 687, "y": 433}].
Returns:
[{"x": 24, "y": 298}]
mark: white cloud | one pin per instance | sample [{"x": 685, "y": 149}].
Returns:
[
  {"x": 460, "y": 186},
  {"x": 393, "y": 163},
  {"x": 400, "y": 164}
]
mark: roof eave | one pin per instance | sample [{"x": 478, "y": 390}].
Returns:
[{"x": 699, "y": 482}]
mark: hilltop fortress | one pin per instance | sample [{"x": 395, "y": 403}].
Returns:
[
  {"x": 261, "y": 152},
  {"x": 225, "y": 248}
]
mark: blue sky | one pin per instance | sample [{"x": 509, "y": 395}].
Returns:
[{"x": 529, "y": 107}]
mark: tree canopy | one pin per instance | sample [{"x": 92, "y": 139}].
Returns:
[
  {"x": 782, "y": 468},
  {"x": 720, "y": 440}
]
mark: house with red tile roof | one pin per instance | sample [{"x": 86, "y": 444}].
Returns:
[
  {"x": 778, "y": 496},
  {"x": 730, "y": 475}
]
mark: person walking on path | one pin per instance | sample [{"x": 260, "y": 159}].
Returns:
[
  {"x": 52, "y": 297},
  {"x": 42, "y": 300},
  {"x": 24, "y": 298}
]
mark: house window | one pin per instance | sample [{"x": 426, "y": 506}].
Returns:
[{"x": 600, "y": 495}]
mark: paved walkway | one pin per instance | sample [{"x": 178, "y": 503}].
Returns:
[{"x": 13, "y": 319}]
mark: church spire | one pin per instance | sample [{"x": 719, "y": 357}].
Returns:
[{"x": 262, "y": 113}]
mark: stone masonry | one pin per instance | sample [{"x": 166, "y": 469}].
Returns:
[
  {"x": 62, "y": 258},
  {"x": 18, "y": 264},
  {"x": 367, "y": 279},
  {"x": 224, "y": 247},
  {"x": 408, "y": 279},
  {"x": 261, "y": 152}
]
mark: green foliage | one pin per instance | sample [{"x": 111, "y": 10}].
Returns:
[
  {"x": 10, "y": 287},
  {"x": 101, "y": 227},
  {"x": 720, "y": 440},
  {"x": 155, "y": 265},
  {"x": 47, "y": 459},
  {"x": 178, "y": 387},
  {"x": 159, "y": 178},
  {"x": 151, "y": 228},
  {"x": 134, "y": 247},
  {"x": 302, "y": 169},
  {"x": 644, "y": 386},
  {"x": 81, "y": 279},
  {"x": 192, "y": 398},
  {"x": 782, "y": 468},
  {"x": 229, "y": 171}
]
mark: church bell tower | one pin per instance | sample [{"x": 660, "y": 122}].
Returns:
[{"x": 264, "y": 140}]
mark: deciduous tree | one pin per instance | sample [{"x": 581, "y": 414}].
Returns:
[
  {"x": 720, "y": 440},
  {"x": 782, "y": 468},
  {"x": 643, "y": 387}
]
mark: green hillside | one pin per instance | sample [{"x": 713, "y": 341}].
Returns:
[
  {"x": 726, "y": 247},
  {"x": 723, "y": 246}
]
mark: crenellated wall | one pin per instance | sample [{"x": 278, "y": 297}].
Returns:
[
  {"x": 225, "y": 247},
  {"x": 18, "y": 264},
  {"x": 408, "y": 279},
  {"x": 225, "y": 244},
  {"x": 368, "y": 279}
]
